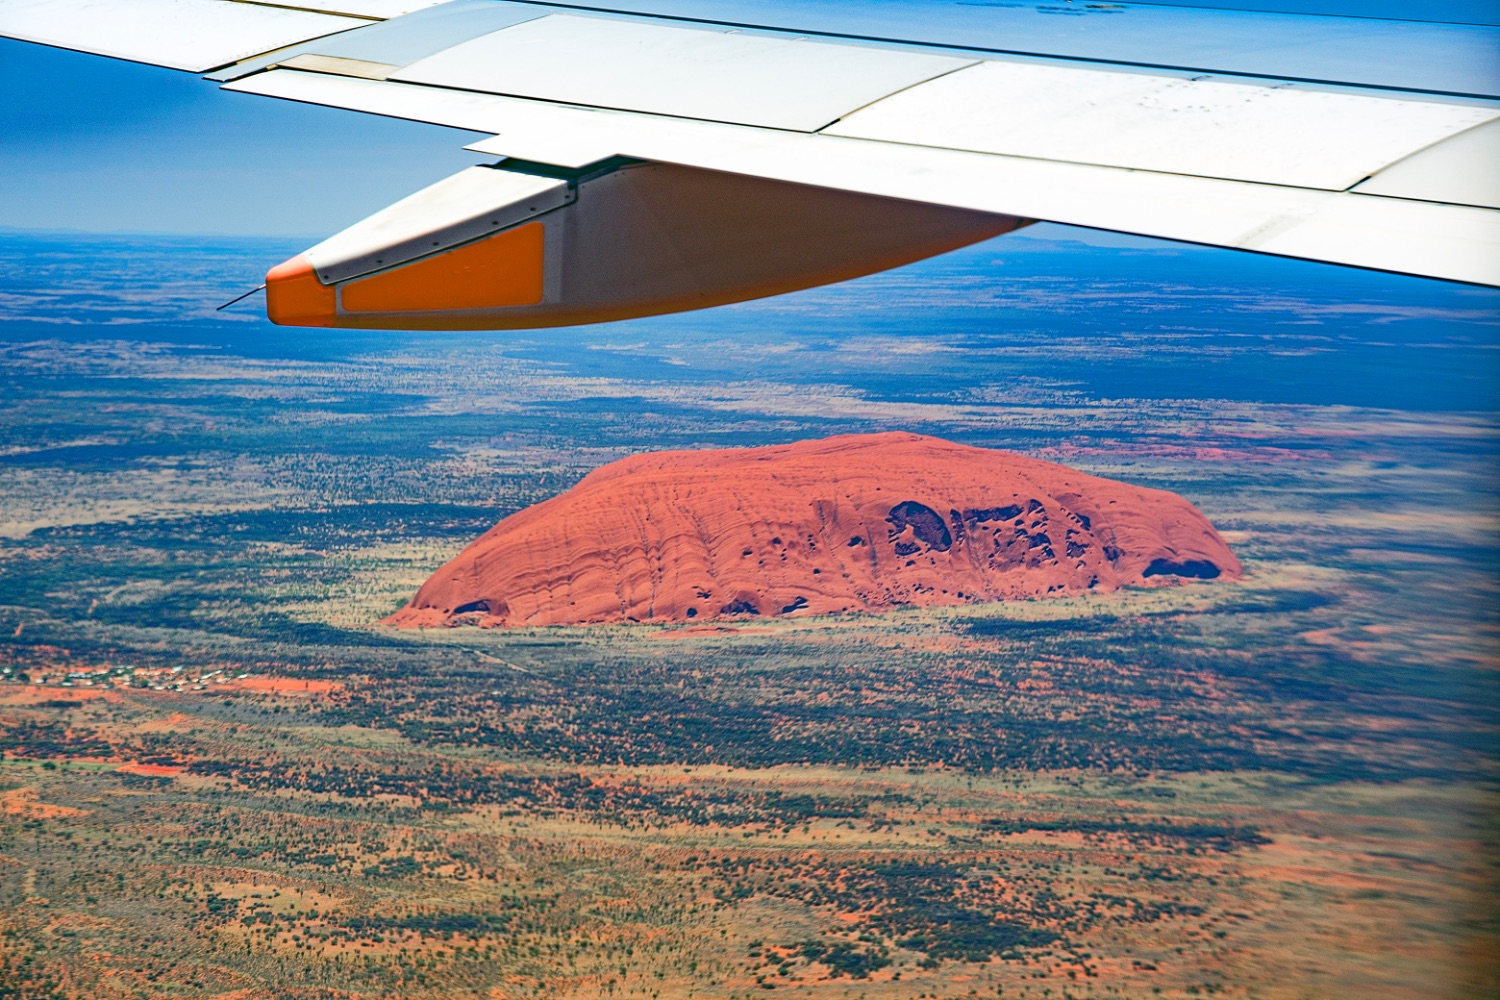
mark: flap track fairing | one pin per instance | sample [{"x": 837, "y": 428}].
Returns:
[{"x": 520, "y": 245}]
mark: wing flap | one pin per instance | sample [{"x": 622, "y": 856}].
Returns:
[
  {"x": 1355, "y": 50},
  {"x": 192, "y": 35},
  {"x": 373, "y": 9},
  {"x": 1463, "y": 170},
  {"x": 402, "y": 41},
  {"x": 686, "y": 72},
  {"x": 1205, "y": 126}
]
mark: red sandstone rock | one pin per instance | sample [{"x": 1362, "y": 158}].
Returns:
[{"x": 857, "y": 523}]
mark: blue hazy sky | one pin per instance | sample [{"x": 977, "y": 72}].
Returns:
[
  {"x": 98, "y": 145},
  {"x": 1456, "y": 11},
  {"x": 101, "y": 145}
]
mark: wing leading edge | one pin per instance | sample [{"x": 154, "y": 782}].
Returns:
[{"x": 697, "y": 155}]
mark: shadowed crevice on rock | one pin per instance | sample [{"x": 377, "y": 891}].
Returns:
[
  {"x": 926, "y": 524},
  {"x": 1196, "y": 569}
]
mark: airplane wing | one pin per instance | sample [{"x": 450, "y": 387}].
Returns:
[{"x": 659, "y": 155}]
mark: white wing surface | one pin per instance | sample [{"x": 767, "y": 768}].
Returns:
[
  {"x": 193, "y": 35},
  {"x": 682, "y": 143}
]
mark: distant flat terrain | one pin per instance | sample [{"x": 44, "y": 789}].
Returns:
[{"x": 222, "y": 777}]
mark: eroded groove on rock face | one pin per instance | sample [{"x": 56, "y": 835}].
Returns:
[
  {"x": 926, "y": 524},
  {"x": 843, "y": 524}
]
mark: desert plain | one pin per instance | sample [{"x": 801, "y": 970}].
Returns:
[{"x": 222, "y": 776}]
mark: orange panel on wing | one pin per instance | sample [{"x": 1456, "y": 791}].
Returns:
[
  {"x": 295, "y": 296},
  {"x": 499, "y": 271}
]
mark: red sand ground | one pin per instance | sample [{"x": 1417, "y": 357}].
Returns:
[
  {"x": 856, "y": 523},
  {"x": 154, "y": 770},
  {"x": 280, "y": 685},
  {"x": 34, "y": 694},
  {"x": 27, "y": 802}
]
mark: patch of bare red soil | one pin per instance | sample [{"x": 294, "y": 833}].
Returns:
[
  {"x": 699, "y": 631},
  {"x": 27, "y": 802},
  {"x": 280, "y": 685},
  {"x": 36, "y": 694},
  {"x": 856, "y": 523},
  {"x": 151, "y": 770}
]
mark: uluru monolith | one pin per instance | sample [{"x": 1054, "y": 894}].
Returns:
[{"x": 854, "y": 523}]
